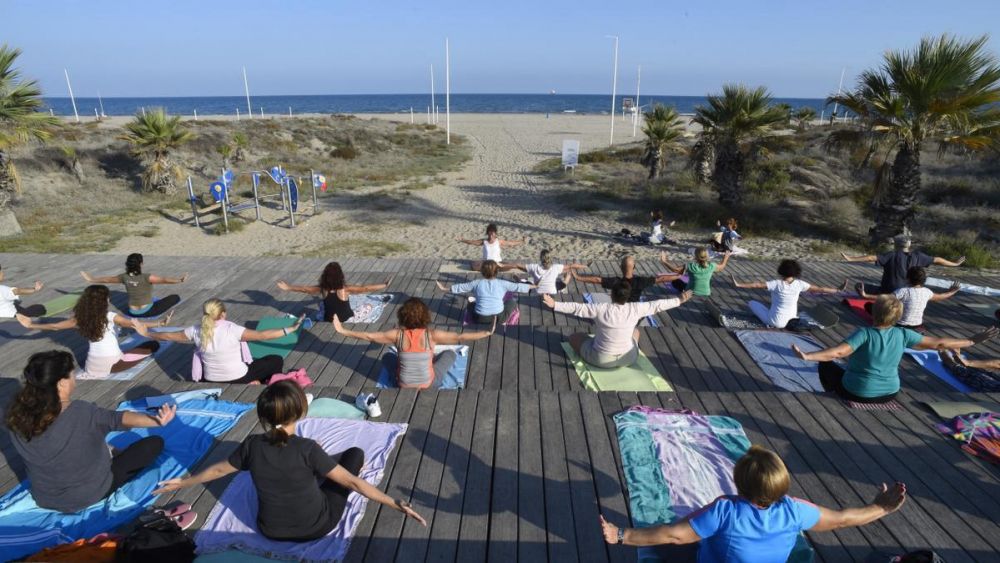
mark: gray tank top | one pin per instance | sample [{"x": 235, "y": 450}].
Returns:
[{"x": 416, "y": 365}]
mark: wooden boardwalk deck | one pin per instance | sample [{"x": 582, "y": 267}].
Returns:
[{"x": 519, "y": 464}]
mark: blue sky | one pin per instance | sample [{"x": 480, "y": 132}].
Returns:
[{"x": 183, "y": 47}]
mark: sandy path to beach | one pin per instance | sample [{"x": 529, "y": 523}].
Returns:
[{"x": 497, "y": 185}]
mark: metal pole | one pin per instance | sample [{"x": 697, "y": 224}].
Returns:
[
  {"x": 289, "y": 111},
  {"x": 312, "y": 182},
  {"x": 71, "y": 98},
  {"x": 256, "y": 197},
  {"x": 196, "y": 115},
  {"x": 428, "y": 115},
  {"x": 246, "y": 88},
  {"x": 291, "y": 212},
  {"x": 447, "y": 92},
  {"x": 411, "y": 115},
  {"x": 194, "y": 206},
  {"x": 433, "y": 103},
  {"x": 839, "y": 88},
  {"x": 614, "y": 91},
  {"x": 237, "y": 114},
  {"x": 225, "y": 217},
  {"x": 262, "y": 112},
  {"x": 101, "y": 102},
  {"x": 638, "y": 107}
]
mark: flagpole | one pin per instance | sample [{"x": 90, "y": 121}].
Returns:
[
  {"x": 447, "y": 91},
  {"x": 614, "y": 90},
  {"x": 246, "y": 88},
  {"x": 638, "y": 106},
  {"x": 71, "y": 98},
  {"x": 433, "y": 119}
]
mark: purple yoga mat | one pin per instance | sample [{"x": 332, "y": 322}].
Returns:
[{"x": 232, "y": 523}]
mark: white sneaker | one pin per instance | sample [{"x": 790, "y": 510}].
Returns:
[
  {"x": 368, "y": 403},
  {"x": 309, "y": 398}
]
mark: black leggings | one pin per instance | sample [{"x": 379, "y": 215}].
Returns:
[
  {"x": 508, "y": 309},
  {"x": 159, "y": 307},
  {"x": 36, "y": 310},
  {"x": 831, "y": 377},
  {"x": 262, "y": 369},
  {"x": 131, "y": 461},
  {"x": 351, "y": 459}
]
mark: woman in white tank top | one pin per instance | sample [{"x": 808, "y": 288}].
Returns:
[{"x": 492, "y": 246}]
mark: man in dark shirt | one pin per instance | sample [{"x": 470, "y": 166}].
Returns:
[
  {"x": 638, "y": 283},
  {"x": 897, "y": 263}
]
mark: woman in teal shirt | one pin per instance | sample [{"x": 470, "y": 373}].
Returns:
[
  {"x": 699, "y": 272},
  {"x": 872, "y": 374}
]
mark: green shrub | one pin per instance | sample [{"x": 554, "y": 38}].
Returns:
[
  {"x": 346, "y": 152},
  {"x": 977, "y": 255},
  {"x": 769, "y": 180}
]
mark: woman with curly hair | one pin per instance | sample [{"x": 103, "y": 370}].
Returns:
[
  {"x": 784, "y": 294},
  {"x": 334, "y": 291},
  {"x": 414, "y": 363},
  {"x": 62, "y": 441},
  {"x": 95, "y": 321},
  {"x": 139, "y": 287}
]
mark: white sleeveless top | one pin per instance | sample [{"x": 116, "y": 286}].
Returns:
[{"x": 492, "y": 251}]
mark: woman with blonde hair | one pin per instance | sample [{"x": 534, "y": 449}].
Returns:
[
  {"x": 872, "y": 373},
  {"x": 551, "y": 278},
  {"x": 761, "y": 523},
  {"x": 94, "y": 319},
  {"x": 220, "y": 346},
  {"x": 699, "y": 272}
]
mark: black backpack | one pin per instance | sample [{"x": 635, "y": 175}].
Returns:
[{"x": 159, "y": 540}]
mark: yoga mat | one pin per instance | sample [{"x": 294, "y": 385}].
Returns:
[
  {"x": 232, "y": 522},
  {"x": 649, "y": 320},
  {"x": 963, "y": 287},
  {"x": 280, "y": 346},
  {"x": 332, "y": 408},
  {"x": 640, "y": 376},
  {"x": 874, "y": 407},
  {"x": 858, "y": 307},
  {"x": 984, "y": 309},
  {"x": 733, "y": 321},
  {"x": 126, "y": 344},
  {"x": 950, "y": 409},
  {"x": 514, "y": 319},
  {"x": 368, "y": 307},
  {"x": 60, "y": 304},
  {"x": 930, "y": 361},
  {"x": 675, "y": 464},
  {"x": 772, "y": 351},
  {"x": 454, "y": 379},
  {"x": 28, "y": 529}
]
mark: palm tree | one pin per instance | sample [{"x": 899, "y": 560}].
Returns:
[
  {"x": 804, "y": 116},
  {"x": 153, "y": 136},
  {"x": 20, "y": 120},
  {"x": 702, "y": 158},
  {"x": 947, "y": 90},
  {"x": 733, "y": 123},
  {"x": 662, "y": 127}
]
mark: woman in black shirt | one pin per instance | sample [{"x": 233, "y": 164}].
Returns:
[
  {"x": 284, "y": 467},
  {"x": 334, "y": 291}
]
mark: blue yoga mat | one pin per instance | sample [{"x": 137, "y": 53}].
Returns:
[
  {"x": 454, "y": 379},
  {"x": 25, "y": 528},
  {"x": 930, "y": 361}
]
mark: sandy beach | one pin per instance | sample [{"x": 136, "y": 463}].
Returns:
[{"x": 497, "y": 185}]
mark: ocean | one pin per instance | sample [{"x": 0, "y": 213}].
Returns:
[{"x": 384, "y": 103}]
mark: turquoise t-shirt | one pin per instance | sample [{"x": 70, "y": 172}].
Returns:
[
  {"x": 733, "y": 530},
  {"x": 700, "y": 278},
  {"x": 873, "y": 369}
]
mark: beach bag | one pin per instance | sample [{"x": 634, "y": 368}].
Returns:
[{"x": 158, "y": 541}]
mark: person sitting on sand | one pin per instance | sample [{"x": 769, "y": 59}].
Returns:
[
  {"x": 784, "y": 294},
  {"x": 63, "y": 442},
  {"x": 637, "y": 284},
  {"x": 657, "y": 234},
  {"x": 896, "y": 264},
  {"x": 725, "y": 239},
  {"x": 414, "y": 363},
  {"x": 491, "y": 247},
  {"x": 872, "y": 373},
  {"x": 291, "y": 504},
  {"x": 10, "y": 297},
  {"x": 139, "y": 287},
  {"x": 981, "y": 375},
  {"x": 93, "y": 318},
  {"x": 334, "y": 291},
  {"x": 914, "y": 297},
  {"x": 615, "y": 342},
  {"x": 550, "y": 278},
  {"x": 489, "y": 293},
  {"x": 759, "y": 524},
  {"x": 699, "y": 272},
  {"x": 220, "y": 346}
]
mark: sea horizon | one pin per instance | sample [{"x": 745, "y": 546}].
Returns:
[{"x": 381, "y": 103}]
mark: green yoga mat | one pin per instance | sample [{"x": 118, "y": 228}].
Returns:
[
  {"x": 984, "y": 309},
  {"x": 60, "y": 304},
  {"x": 332, "y": 408},
  {"x": 950, "y": 409},
  {"x": 640, "y": 376},
  {"x": 280, "y": 346}
]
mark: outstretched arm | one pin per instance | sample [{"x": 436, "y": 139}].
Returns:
[
  {"x": 946, "y": 294},
  {"x": 886, "y": 502},
  {"x": 748, "y": 285},
  {"x": 830, "y": 290},
  {"x": 368, "y": 288},
  {"x": 938, "y": 261},
  {"x": 166, "y": 280},
  {"x": 586, "y": 279},
  {"x": 664, "y": 278},
  {"x": 128, "y": 322},
  {"x": 869, "y": 258},
  {"x": 386, "y": 337},
  {"x": 28, "y": 290},
  {"x": 307, "y": 289},
  {"x": 509, "y": 243},
  {"x": 933, "y": 342},
  {"x": 472, "y": 242},
  {"x": 215, "y": 471},
  {"x": 99, "y": 279},
  {"x": 981, "y": 364},
  {"x": 445, "y": 337},
  {"x": 64, "y": 324},
  {"x": 141, "y": 420},
  {"x": 679, "y": 533},
  {"x": 668, "y": 265},
  {"x": 725, "y": 262},
  {"x": 271, "y": 334},
  {"x": 839, "y": 351},
  {"x": 348, "y": 480}
]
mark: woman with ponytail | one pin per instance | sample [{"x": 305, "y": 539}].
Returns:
[
  {"x": 551, "y": 278},
  {"x": 292, "y": 506},
  {"x": 63, "y": 442},
  {"x": 220, "y": 347},
  {"x": 139, "y": 287},
  {"x": 95, "y": 321},
  {"x": 335, "y": 292}
]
